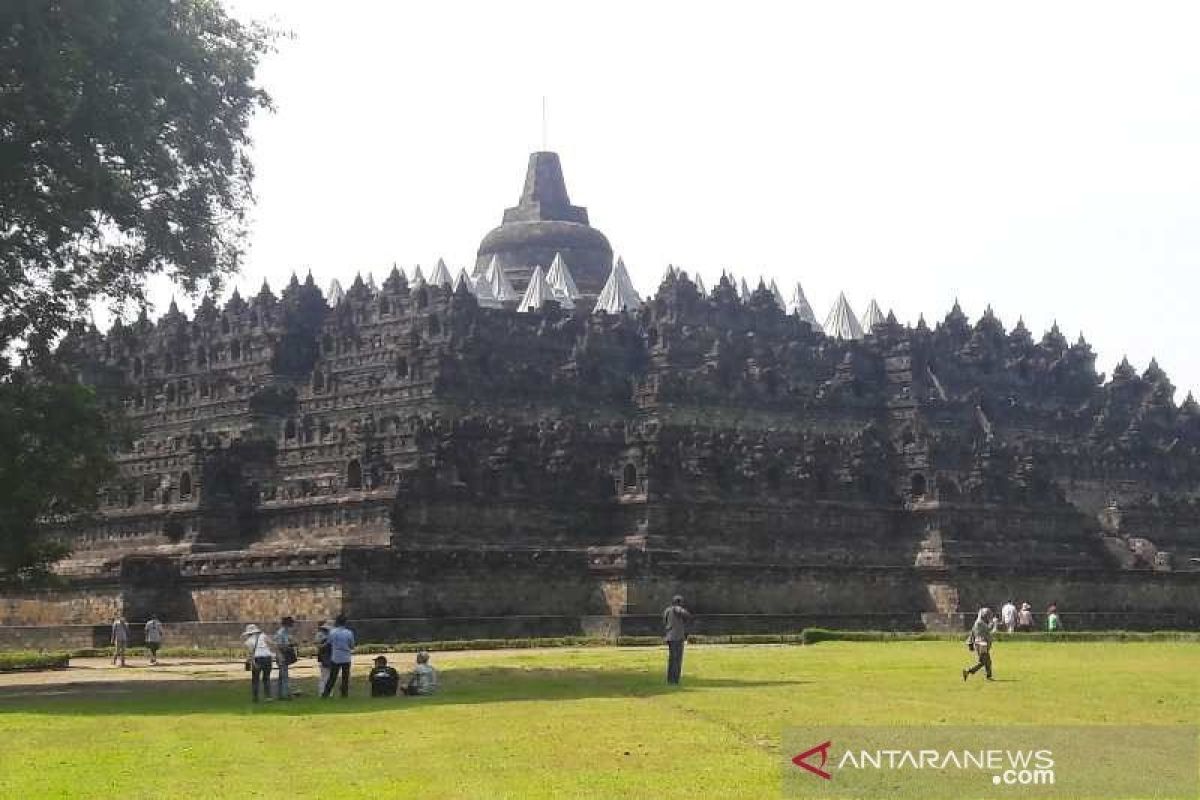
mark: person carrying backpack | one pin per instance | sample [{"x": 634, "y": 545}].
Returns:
[
  {"x": 259, "y": 655},
  {"x": 980, "y": 640}
]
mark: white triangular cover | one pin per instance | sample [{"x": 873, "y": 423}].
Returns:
[
  {"x": 536, "y": 293},
  {"x": 560, "y": 280},
  {"x": 778, "y": 295},
  {"x": 618, "y": 294},
  {"x": 502, "y": 288},
  {"x": 873, "y": 317},
  {"x": 841, "y": 322},
  {"x": 441, "y": 275},
  {"x": 336, "y": 294},
  {"x": 800, "y": 307}
]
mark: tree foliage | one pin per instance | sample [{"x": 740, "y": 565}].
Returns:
[
  {"x": 124, "y": 153},
  {"x": 54, "y": 452}
]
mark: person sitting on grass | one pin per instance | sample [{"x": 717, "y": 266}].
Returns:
[
  {"x": 384, "y": 680},
  {"x": 980, "y": 640},
  {"x": 423, "y": 679}
]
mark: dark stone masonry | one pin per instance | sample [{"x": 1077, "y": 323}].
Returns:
[{"x": 406, "y": 454}]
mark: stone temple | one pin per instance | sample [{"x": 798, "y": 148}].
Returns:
[{"x": 529, "y": 448}]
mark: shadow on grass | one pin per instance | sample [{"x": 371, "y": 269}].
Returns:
[{"x": 464, "y": 685}]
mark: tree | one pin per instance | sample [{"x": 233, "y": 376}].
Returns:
[{"x": 123, "y": 154}]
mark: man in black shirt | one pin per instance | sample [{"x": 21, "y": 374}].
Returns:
[{"x": 384, "y": 680}]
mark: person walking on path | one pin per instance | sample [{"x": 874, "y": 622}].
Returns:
[
  {"x": 259, "y": 656},
  {"x": 676, "y": 619},
  {"x": 154, "y": 637},
  {"x": 285, "y": 656},
  {"x": 341, "y": 647},
  {"x": 321, "y": 640},
  {"x": 120, "y": 639},
  {"x": 1008, "y": 615},
  {"x": 980, "y": 640}
]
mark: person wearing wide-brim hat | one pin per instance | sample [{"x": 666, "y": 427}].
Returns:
[{"x": 259, "y": 655}]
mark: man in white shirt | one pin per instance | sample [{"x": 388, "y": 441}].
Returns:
[{"x": 1008, "y": 613}]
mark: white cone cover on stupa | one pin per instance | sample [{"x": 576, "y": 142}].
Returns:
[
  {"x": 502, "y": 288},
  {"x": 800, "y": 307},
  {"x": 464, "y": 279},
  {"x": 536, "y": 293},
  {"x": 841, "y": 322},
  {"x": 560, "y": 280},
  {"x": 618, "y": 293},
  {"x": 699, "y": 285},
  {"x": 778, "y": 295},
  {"x": 744, "y": 292},
  {"x": 441, "y": 275},
  {"x": 336, "y": 294},
  {"x": 371, "y": 282},
  {"x": 418, "y": 279},
  {"x": 873, "y": 317}
]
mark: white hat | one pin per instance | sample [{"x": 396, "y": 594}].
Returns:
[{"x": 251, "y": 629}]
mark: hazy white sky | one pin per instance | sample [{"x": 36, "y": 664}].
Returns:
[{"x": 1041, "y": 157}]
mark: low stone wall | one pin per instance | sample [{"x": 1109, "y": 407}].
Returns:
[{"x": 221, "y": 635}]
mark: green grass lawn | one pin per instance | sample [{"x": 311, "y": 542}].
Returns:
[{"x": 596, "y": 722}]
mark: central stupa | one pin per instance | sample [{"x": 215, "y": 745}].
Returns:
[{"x": 543, "y": 224}]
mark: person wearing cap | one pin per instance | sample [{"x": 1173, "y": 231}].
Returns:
[
  {"x": 980, "y": 640},
  {"x": 259, "y": 656},
  {"x": 423, "y": 679},
  {"x": 341, "y": 648},
  {"x": 321, "y": 640},
  {"x": 285, "y": 656},
  {"x": 384, "y": 680},
  {"x": 675, "y": 620}
]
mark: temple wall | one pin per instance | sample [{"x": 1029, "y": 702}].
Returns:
[
  {"x": 460, "y": 583},
  {"x": 80, "y": 605}
]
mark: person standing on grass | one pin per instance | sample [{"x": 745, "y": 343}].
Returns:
[
  {"x": 980, "y": 640},
  {"x": 1053, "y": 623},
  {"x": 120, "y": 639},
  {"x": 1025, "y": 618},
  {"x": 154, "y": 637},
  {"x": 341, "y": 648},
  {"x": 1008, "y": 614},
  {"x": 676, "y": 618},
  {"x": 285, "y": 656},
  {"x": 321, "y": 640},
  {"x": 259, "y": 656}
]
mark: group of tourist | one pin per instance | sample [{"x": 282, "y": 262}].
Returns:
[
  {"x": 1021, "y": 619},
  {"x": 982, "y": 634},
  {"x": 120, "y": 638},
  {"x": 335, "y": 650}
]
